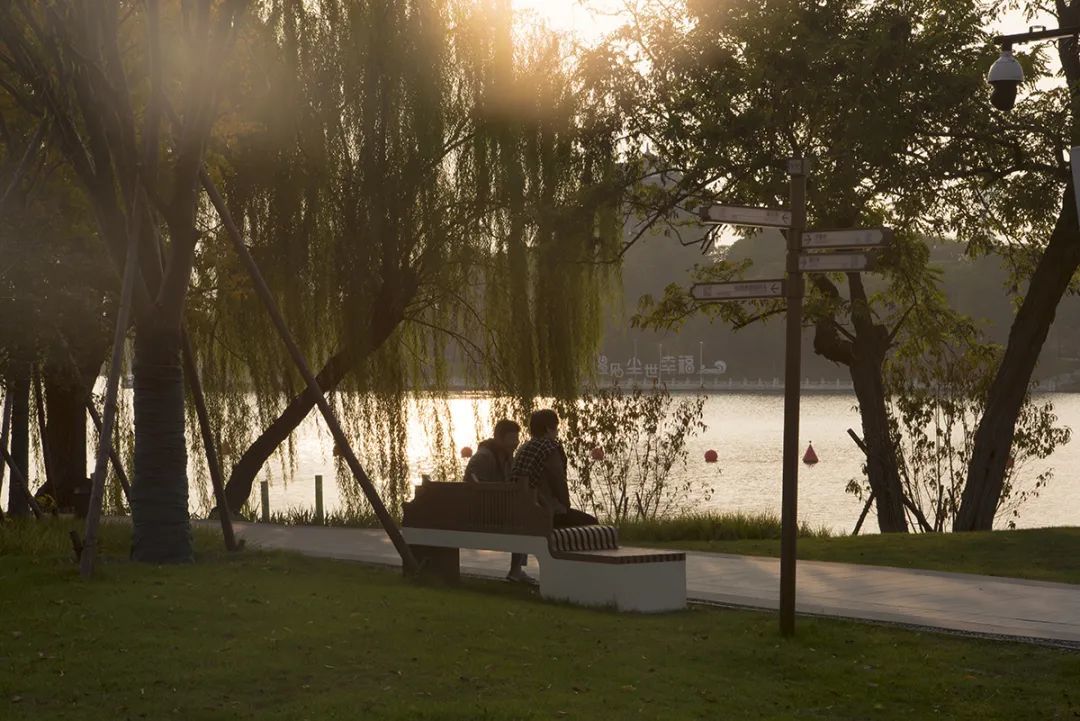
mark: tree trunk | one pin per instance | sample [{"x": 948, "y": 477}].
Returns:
[
  {"x": 390, "y": 303},
  {"x": 994, "y": 437},
  {"x": 881, "y": 464},
  {"x": 161, "y": 529},
  {"x": 865, "y": 356},
  {"x": 65, "y": 437},
  {"x": 244, "y": 472},
  {"x": 19, "y": 387}
]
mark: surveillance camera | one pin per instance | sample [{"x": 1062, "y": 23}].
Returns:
[{"x": 1005, "y": 76}]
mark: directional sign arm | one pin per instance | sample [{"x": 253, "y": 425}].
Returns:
[
  {"x": 847, "y": 238},
  {"x": 835, "y": 262},
  {"x": 738, "y": 290},
  {"x": 746, "y": 215}
]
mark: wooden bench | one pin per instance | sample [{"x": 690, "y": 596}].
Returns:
[{"x": 583, "y": 565}]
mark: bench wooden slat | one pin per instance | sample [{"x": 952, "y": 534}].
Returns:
[{"x": 485, "y": 507}]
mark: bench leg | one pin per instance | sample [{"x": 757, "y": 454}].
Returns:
[{"x": 438, "y": 562}]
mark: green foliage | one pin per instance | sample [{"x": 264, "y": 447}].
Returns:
[
  {"x": 709, "y": 526},
  {"x": 888, "y": 101},
  {"x": 937, "y": 390},
  {"x": 643, "y": 436},
  {"x": 425, "y": 195},
  {"x": 731, "y": 90},
  {"x": 56, "y": 282},
  {"x": 346, "y": 518}
]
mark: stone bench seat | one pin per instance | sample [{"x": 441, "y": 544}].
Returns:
[{"x": 583, "y": 565}]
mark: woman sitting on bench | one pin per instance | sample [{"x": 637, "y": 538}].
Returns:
[{"x": 542, "y": 461}]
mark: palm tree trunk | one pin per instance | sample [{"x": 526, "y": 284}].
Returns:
[{"x": 161, "y": 530}]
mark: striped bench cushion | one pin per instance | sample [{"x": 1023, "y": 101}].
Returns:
[{"x": 584, "y": 538}]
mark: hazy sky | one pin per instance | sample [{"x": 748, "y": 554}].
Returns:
[
  {"x": 587, "y": 21},
  {"x": 590, "y": 19}
]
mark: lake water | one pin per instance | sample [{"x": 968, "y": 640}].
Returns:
[{"x": 745, "y": 430}]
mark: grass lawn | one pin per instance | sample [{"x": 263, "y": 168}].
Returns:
[
  {"x": 1043, "y": 554},
  {"x": 277, "y": 636}
]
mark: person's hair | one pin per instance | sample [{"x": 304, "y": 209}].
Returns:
[
  {"x": 506, "y": 426},
  {"x": 542, "y": 421}
]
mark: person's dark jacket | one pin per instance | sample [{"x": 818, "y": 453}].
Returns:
[{"x": 490, "y": 464}]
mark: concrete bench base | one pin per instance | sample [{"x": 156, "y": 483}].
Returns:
[{"x": 627, "y": 579}]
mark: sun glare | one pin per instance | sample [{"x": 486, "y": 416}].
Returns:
[{"x": 586, "y": 20}]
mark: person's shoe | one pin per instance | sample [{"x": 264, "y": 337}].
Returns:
[{"x": 519, "y": 576}]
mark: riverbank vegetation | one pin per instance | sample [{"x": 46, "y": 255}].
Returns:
[{"x": 309, "y": 638}]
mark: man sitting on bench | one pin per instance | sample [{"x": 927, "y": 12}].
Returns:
[
  {"x": 491, "y": 464},
  {"x": 542, "y": 461}
]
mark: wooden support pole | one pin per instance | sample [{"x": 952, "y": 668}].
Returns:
[
  {"x": 340, "y": 439},
  {"x": 46, "y": 455},
  {"x": 101, "y": 460},
  {"x": 5, "y": 431},
  {"x": 923, "y": 523},
  {"x": 118, "y": 466},
  {"x": 862, "y": 516},
  {"x": 264, "y": 495},
  {"x": 789, "y": 502},
  {"x": 18, "y": 477},
  {"x": 319, "y": 517},
  {"x": 870, "y": 500},
  {"x": 191, "y": 373}
]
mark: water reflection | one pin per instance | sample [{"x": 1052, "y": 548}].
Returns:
[{"x": 746, "y": 432}]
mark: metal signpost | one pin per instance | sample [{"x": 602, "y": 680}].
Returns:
[{"x": 792, "y": 288}]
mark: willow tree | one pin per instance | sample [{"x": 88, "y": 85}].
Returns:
[
  {"x": 106, "y": 75},
  {"x": 865, "y": 90},
  {"x": 429, "y": 199},
  {"x": 54, "y": 308},
  {"x": 53, "y": 302},
  {"x": 20, "y": 141}
]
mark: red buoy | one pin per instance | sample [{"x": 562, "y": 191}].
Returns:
[
  {"x": 711, "y": 456},
  {"x": 598, "y": 454},
  {"x": 466, "y": 452},
  {"x": 810, "y": 458}
]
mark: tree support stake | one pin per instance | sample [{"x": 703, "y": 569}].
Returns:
[{"x": 267, "y": 298}]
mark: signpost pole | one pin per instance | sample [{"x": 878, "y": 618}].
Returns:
[{"x": 797, "y": 169}]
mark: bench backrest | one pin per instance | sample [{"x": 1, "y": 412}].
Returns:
[{"x": 484, "y": 507}]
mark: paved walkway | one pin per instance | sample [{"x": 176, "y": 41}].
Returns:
[{"x": 952, "y": 601}]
